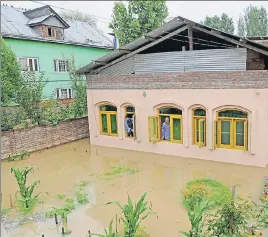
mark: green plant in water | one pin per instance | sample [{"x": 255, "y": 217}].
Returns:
[
  {"x": 27, "y": 201},
  {"x": 263, "y": 215},
  {"x": 81, "y": 197},
  {"x": 205, "y": 188},
  {"x": 133, "y": 214},
  {"x": 196, "y": 218},
  {"x": 109, "y": 233},
  {"x": 240, "y": 212},
  {"x": 120, "y": 171},
  {"x": 5, "y": 211},
  {"x": 62, "y": 211},
  {"x": 141, "y": 232},
  {"x": 61, "y": 196},
  {"x": 67, "y": 232},
  {"x": 18, "y": 156}
]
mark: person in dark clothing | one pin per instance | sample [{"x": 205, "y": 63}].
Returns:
[{"x": 129, "y": 126}]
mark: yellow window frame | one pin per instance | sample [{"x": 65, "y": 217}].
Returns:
[
  {"x": 134, "y": 122},
  {"x": 171, "y": 117},
  {"x": 199, "y": 119},
  {"x": 245, "y": 135},
  {"x": 109, "y": 127},
  {"x": 156, "y": 124},
  {"x": 232, "y": 145}
]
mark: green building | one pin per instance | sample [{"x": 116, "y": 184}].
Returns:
[{"x": 43, "y": 41}]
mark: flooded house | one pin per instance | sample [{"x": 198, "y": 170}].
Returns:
[{"x": 185, "y": 90}]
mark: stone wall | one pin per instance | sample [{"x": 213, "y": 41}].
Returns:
[{"x": 40, "y": 137}]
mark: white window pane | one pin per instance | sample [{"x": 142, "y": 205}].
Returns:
[
  {"x": 23, "y": 64},
  {"x": 64, "y": 93}
]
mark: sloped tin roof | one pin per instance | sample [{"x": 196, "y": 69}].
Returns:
[
  {"x": 14, "y": 24},
  {"x": 172, "y": 25}
]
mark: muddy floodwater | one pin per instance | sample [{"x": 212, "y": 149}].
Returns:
[{"x": 59, "y": 169}]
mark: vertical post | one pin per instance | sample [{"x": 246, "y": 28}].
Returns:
[
  {"x": 89, "y": 235},
  {"x": 56, "y": 219},
  {"x": 190, "y": 37},
  {"x": 10, "y": 199},
  {"x": 116, "y": 223},
  {"x": 62, "y": 230},
  {"x": 232, "y": 214}
]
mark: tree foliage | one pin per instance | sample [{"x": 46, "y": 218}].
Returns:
[
  {"x": 78, "y": 16},
  {"x": 241, "y": 31},
  {"x": 31, "y": 94},
  {"x": 223, "y": 23},
  {"x": 10, "y": 74},
  {"x": 255, "y": 21},
  {"x": 78, "y": 84},
  {"x": 137, "y": 18}
]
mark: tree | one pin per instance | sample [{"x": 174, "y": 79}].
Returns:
[
  {"x": 79, "y": 103},
  {"x": 241, "y": 31},
  {"x": 137, "y": 18},
  {"x": 9, "y": 74},
  {"x": 255, "y": 21},
  {"x": 31, "y": 94},
  {"x": 223, "y": 23},
  {"x": 78, "y": 16}
]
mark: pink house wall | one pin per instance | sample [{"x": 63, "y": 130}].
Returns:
[{"x": 254, "y": 101}]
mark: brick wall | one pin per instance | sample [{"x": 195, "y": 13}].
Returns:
[
  {"x": 181, "y": 80},
  {"x": 41, "y": 137}
]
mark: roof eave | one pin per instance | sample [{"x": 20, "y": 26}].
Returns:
[{"x": 54, "y": 41}]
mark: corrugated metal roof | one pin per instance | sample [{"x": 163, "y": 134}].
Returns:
[
  {"x": 38, "y": 19},
  {"x": 14, "y": 25},
  {"x": 174, "y": 24}
]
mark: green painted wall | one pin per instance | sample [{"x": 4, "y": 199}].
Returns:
[{"x": 47, "y": 52}]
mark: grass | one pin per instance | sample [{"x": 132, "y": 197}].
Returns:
[
  {"x": 18, "y": 156},
  {"x": 81, "y": 197},
  {"x": 118, "y": 171},
  {"x": 67, "y": 232},
  {"x": 5, "y": 211},
  {"x": 62, "y": 211}
]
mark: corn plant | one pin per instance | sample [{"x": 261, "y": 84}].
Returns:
[
  {"x": 133, "y": 214},
  {"x": 27, "y": 199},
  {"x": 108, "y": 233},
  {"x": 196, "y": 217}
]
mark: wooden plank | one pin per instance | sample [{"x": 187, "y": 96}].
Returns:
[
  {"x": 231, "y": 40},
  {"x": 190, "y": 37},
  {"x": 143, "y": 48}
]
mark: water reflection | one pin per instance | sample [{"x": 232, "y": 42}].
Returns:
[{"x": 163, "y": 177}]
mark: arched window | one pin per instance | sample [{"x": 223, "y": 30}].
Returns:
[
  {"x": 231, "y": 129},
  {"x": 130, "y": 122},
  {"x": 108, "y": 120},
  {"x": 199, "y": 127},
  {"x": 166, "y": 126}
]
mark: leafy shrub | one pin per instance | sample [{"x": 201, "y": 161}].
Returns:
[
  {"x": 209, "y": 189},
  {"x": 10, "y": 117},
  {"x": 241, "y": 211}
]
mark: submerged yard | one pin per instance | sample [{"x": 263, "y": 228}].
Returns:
[{"x": 107, "y": 174}]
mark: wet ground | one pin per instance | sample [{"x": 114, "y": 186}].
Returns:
[{"x": 61, "y": 168}]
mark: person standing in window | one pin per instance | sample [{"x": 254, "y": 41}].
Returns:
[
  {"x": 129, "y": 126},
  {"x": 166, "y": 129}
]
